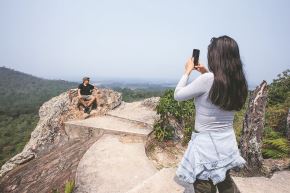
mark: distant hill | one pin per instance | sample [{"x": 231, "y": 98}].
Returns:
[{"x": 22, "y": 93}]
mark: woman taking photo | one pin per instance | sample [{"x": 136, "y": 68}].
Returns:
[{"x": 218, "y": 92}]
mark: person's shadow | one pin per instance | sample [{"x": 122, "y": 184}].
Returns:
[{"x": 188, "y": 188}]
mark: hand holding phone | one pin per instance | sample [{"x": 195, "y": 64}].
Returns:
[{"x": 195, "y": 55}]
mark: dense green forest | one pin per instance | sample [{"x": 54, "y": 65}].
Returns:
[
  {"x": 21, "y": 95},
  {"x": 130, "y": 95}
]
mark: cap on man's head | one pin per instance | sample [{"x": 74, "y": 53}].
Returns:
[{"x": 86, "y": 78}]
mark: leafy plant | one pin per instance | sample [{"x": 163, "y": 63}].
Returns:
[
  {"x": 69, "y": 186},
  {"x": 276, "y": 117},
  {"x": 172, "y": 111},
  {"x": 239, "y": 118},
  {"x": 274, "y": 144},
  {"x": 187, "y": 135},
  {"x": 163, "y": 131},
  {"x": 278, "y": 102},
  {"x": 279, "y": 90}
]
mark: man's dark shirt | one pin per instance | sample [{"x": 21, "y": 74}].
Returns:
[{"x": 86, "y": 90}]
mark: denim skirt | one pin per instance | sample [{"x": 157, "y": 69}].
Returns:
[{"x": 209, "y": 155}]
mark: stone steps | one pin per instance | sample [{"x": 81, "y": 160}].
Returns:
[
  {"x": 139, "y": 122},
  {"x": 117, "y": 162},
  {"x": 106, "y": 124},
  {"x": 126, "y": 119},
  {"x": 134, "y": 111}
]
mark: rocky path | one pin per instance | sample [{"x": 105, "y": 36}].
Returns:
[
  {"x": 106, "y": 154},
  {"x": 117, "y": 162},
  {"x": 128, "y": 119}
]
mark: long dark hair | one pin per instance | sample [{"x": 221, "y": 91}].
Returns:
[{"x": 230, "y": 88}]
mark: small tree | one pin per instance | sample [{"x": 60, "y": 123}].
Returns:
[{"x": 176, "y": 118}]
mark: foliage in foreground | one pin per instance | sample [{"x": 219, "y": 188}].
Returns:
[
  {"x": 68, "y": 188},
  {"x": 274, "y": 144},
  {"x": 279, "y": 103},
  {"x": 172, "y": 111}
]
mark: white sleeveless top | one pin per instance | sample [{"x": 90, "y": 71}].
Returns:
[{"x": 213, "y": 150}]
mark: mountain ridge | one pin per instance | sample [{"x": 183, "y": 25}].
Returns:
[{"x": 27, "y": 92}]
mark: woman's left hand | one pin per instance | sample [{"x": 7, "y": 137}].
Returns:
[{"x": 189, "y": 66}]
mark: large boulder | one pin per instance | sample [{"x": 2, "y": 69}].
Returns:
[{"x": 50, "y": 132}]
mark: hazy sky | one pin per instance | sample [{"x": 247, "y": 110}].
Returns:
[{"x": 146, "y": 39}]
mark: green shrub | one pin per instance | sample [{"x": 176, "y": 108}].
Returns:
[
  {"x": 279, "y": 89},
  {"x": 187, "y": 135},
  {"x": 163, "y": 131},
  {"x": 278, "y": 102},
  {"x": 69, "y": 186},
  {"x": 274, "y": 144},
  {"x": 276, "y": 117},
  {"x": 239, "y": 118},
  {"x": 171, "y": 110}
]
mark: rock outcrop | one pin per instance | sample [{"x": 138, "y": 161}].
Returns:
[
  {"x": 47, "y": 171},
  {"x": 151, "y": 102},
  {"x": 113, "y": 139},
  {"x": 50, "y": 132},
  {"x": 253, "y": 127}
]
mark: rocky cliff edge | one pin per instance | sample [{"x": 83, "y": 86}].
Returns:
[{"x": 50, "y": 132}]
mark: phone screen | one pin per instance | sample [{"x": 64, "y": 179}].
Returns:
[{"x": 195, "y": 55}]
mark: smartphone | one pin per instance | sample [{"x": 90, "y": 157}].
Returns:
[{"x": 195, "y": 55}]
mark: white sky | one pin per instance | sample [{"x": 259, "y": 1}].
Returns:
[{"x": 145, "y": 39}]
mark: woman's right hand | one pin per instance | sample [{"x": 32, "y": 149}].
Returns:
[
  {"x": 189, "y": 66},
  {"x": 201, "y": 68}
]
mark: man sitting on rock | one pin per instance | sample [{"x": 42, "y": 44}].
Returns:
[{"x": 85, "y": 96}]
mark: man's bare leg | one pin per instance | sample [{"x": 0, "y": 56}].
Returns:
[
  {"x": 82, "y": 101},
  {"x": 93, "y": 98}
]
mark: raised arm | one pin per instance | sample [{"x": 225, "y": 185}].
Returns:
[{"x": 197, "y": 87}]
